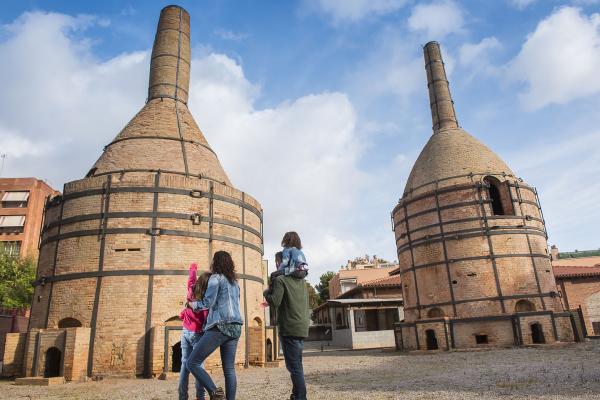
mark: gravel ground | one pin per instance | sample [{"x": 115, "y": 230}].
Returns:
[{"x": 569, "y": 372}]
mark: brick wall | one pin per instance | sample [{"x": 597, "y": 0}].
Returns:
[
  {"x": 583, "y": 292},
  {"x": 13, "y": 354}
]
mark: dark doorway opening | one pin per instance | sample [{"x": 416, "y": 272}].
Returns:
[
  {"x": 269, "y": 351},
  {"x": 431, "y": 340},
  {"x": 52, "y": 363},
  {"x": 69, "y": 323},
  {"x": 481, "y": 339},
  {"x": 499, "y": 195},
  {"x": 176, "y": 357},
  {"x": 537, "y": 334}
]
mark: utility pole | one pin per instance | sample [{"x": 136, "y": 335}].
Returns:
[{"x": 3, "y": 157}]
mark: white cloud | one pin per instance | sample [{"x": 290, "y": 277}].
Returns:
[
  {"x": 565, "y": 171},
  {"x": 521, "y": 4},
  {"x": 437, "y": 19},
  {"x": 472, "y": 53},
  {"x": 226, "y": 34},
  {"x": 560, "y": 60},
  {"x": 393, "y": 67},
  {"x": 304, "y": 156},
  {"x": 299, "y": 159},
  {"x": 354, "y": 10},
  {"x": 13, "y": 144},
  {"x": 474, "y": 58}
]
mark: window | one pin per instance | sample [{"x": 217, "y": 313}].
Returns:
[
  {"x": 15, "y": 199},
  {"x": 11, "y": 248},
  {"x": 499, "y": 195},
  {"x": 12, "y": 223},
  {"x": 481, "y": 339}
]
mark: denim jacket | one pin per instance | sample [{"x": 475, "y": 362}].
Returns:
[
  {"x": 222, "y": 299},
  {"x": 292, "y": 259}
]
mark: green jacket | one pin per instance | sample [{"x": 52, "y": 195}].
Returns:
[{"x": 289, "y": 297}]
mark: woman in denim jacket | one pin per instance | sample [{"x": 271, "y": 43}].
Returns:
[{"x": 223, "y": 326}]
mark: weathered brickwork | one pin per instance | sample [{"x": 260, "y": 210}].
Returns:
[
  {"x": 14, "y": 350},
  {"x": 471, "y": 242},
  {"x": 117, "y": 244}
]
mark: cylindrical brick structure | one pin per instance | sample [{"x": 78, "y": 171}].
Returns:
[
  {"x": 117, "y": 244},
  {"x": 471, "y": 243}
]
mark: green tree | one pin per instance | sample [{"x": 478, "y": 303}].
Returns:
[
  {"x": 323, "y": 286},
  {"x": 313, "y": 297},
  {"x": 16, "y": 280}
]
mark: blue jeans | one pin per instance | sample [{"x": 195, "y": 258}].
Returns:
[
  {"x": 188, "y": 340},
  {"x": 292, "y": 353},
  {"x": 210, "y": 341}
]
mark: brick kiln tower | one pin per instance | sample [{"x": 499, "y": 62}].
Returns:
[
  {"x": 117, "y": 244},
  {"x": 471, "y": 243}
]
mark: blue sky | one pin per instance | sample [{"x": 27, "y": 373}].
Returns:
[{"x": 340, "y": 82}]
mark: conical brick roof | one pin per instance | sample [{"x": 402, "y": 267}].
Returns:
[
  {"x": 450, "y": 152},
  {"x": 163, "y": 135}
]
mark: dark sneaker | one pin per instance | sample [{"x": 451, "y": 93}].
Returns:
[{"x": 217, "y": 394}]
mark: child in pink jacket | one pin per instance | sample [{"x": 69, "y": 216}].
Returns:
[{"x": 193, "y": 328}]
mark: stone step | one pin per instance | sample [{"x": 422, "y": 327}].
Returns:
[{"x": 39, "y": 381}]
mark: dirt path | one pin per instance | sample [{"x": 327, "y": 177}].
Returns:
[{"x": 571, "y": 372}]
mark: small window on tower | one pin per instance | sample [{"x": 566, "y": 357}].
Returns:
[{"x": 499, "y": 196}]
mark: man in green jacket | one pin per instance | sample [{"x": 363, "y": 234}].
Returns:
[{"x": 289, "y": 296}]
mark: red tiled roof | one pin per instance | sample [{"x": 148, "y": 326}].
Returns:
[
  {"x": 570, "y": 271},
  {"x": 388, "y": 281}
]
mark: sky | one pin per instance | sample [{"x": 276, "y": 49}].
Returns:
[{"x": 319, "y": 108}]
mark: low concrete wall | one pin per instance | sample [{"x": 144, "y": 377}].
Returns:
[
  {"x": 342, "y": 338},
  {"x": 373, "y": 339}
]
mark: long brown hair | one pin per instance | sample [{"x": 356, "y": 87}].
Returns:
[
  {"x": 223, "y": 264},
  {"x": 200, "y": 285},
  {"x": 291, "y": 239}
]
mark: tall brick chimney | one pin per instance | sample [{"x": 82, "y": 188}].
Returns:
[
  {"x": 442, "y": 107},
  {"x": 170, "y": 62}
]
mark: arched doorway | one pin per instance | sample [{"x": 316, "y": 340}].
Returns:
[
  {"x": 52, "y": 362},
  {"x": 269, "y": 350},
  {"x": 537, "y": 333},
  {"x": 176, "y": 357},
  {"x": 431, "y": 340},
  {"x": 524, "y": 306},
  {"x": 256, "y": 341},
  {"x": 69, "y": 323}
]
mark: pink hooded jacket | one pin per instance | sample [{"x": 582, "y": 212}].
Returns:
[{"x": 193, "y": 320}]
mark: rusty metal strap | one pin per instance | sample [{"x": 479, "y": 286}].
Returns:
[
  {"x": 176, "y": 139},
  {"x": 468, "y": 233},
  {"x": 494, "y": 298},
  {"x": 167, "y": 190},
  {"x": 152, "y": 232},
  {"x": 150, "y": 214},
  {"x": 475, "y": 258},
  {"x": 129, "y": 272}
]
